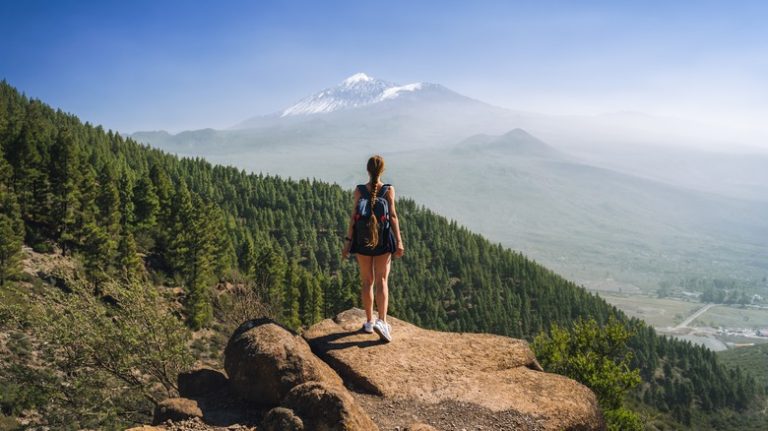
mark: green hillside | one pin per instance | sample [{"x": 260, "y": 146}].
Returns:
[
  {"x": 752, "y": 358},
  {"x": 135, "y": 215}
]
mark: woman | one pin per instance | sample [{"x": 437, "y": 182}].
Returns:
[{"x": 381, "y": 242}]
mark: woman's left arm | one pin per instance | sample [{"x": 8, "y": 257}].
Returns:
[
  {"x": 350, "y": 227},
  {"x": 395, "y": 220}
]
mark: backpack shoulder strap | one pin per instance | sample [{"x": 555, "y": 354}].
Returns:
[
  {"x": 383, "y": 190},
  {"x": 363, "y": 191}
]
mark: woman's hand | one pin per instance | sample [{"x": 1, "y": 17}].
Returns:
[
  {"x": 400, "y": 250},
  {"x": 345, "y": 249}
]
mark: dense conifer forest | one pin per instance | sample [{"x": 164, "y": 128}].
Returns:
[{"x": 134, "y": 214}]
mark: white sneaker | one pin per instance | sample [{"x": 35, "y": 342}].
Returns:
[
  {"x": 383, "y": 329},
  {"x": 368, "y": 327}
]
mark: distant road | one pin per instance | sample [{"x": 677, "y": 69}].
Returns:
[{"x": 693, "y": 316}]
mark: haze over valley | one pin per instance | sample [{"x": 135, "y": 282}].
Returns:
[{"x": 621, "y": 216}]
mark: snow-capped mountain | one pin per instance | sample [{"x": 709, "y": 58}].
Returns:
[
  {"x": 363, "y": 98},
  {"x": 356, "y": 91}
]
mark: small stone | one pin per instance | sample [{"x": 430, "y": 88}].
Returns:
[{"x": 176, "y": 409}]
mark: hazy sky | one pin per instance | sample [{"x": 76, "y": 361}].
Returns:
[{"x": 176, "y": 65}]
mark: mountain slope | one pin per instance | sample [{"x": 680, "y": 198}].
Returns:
[{"x": 516, "y": 142}]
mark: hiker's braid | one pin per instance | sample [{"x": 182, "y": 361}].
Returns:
[
  {"x": 375, "y": 168},
  {"x": 373, "y": 223}
]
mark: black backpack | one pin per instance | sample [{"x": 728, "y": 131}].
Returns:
[{"x": 363, "y": 215}]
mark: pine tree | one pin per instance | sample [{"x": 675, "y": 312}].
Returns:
[
  {"x": 192, "y": 255},
  {"x": 30, "y": 182},
  {"x": 97, "y": 254},
  {"x": 310, "y": 298},
  {"x": 65, "y": 178},
  {"x": 129, "y": 263},
  {"x": 247, "y": 261},
  {"x": 146, "y": 206},
  {"x": 270, "y": 274},
  {"x": 179, "y": 232},
  {"x": 108, "y": 201},
  {"x": 11, "y": 225},
  {"x": 292, "y": 296}
]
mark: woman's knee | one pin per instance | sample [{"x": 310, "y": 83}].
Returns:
[
  {"x": 381, "y": 281},
  {"x": 367, "y": 282}
]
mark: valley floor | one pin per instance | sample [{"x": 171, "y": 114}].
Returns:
[{"x": 717, "y": 326}]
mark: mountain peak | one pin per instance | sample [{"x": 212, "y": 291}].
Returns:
[
  {"x": 358, "y": 77},
  {"x": 356, "y": 91}
]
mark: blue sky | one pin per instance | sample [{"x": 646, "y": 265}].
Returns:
[{"x": 177, "y": 65}]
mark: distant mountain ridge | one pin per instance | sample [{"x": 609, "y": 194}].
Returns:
[
  {"x": 362, "y": 93},
  {"x": 517, "y": 142}
]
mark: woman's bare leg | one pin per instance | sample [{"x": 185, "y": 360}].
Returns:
[
  {"x": 381, "y": 266},
  {"x": 366, "y": 283}
]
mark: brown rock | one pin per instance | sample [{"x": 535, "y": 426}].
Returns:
[
  {"x": 282, "y": 419},
  {"x": 176, "y": 409},
  {"x": 328, "y": 408},
  {"x": 200, "y": 382},
  {"x": 494, "y": 372},
  {"x": 265, "y": 360},
  {"x": 420, "y": 427}
]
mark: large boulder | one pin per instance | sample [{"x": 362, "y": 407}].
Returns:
[
  {"x": 265, "y": 360},
  {"x": 176, "y": 409},
  {"x": 498, "y": 374},
  {"x": 324, "y": 407},
  {"x": 199, "y": 382}
]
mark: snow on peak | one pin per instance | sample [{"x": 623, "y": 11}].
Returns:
[
  {"x": 358, "y": 77},
  {"x": 392, "y": 92},
  {"x": 358, "y": 90}
]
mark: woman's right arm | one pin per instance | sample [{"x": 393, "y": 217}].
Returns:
[
  {"x": 395, "y": 221},
  {"x": 347, "y": 243}
]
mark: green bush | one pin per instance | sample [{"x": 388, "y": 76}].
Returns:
[
  {"x": 622, "y": 419},
  {"x": 596, "y": 356},
  {"x": 107, "y": 363}
]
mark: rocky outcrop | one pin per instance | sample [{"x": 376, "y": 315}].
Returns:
[
  {"x": 493, "y": 372},
  {"x": 270, "y": 366},
  {"x": 336, "y": 377},
  {"x": 264, "y": 361}
]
